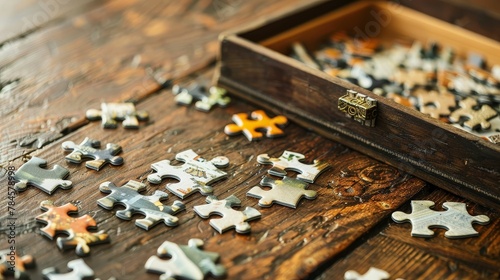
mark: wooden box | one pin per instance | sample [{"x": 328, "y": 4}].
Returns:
[{"x": 254, "y": 65}]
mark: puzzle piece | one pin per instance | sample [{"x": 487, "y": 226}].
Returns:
[
  {"x": 88, "y": 149},
  {"x": 194, "y": 175},
  {"x": 456, "y": 220},
  {"x": 33, "y": 173},
  {"x": 292, "y": 161},
  {"x": 13, "y": 265},
  {"x": 259, "y": 121},
  {"x": 434, "y": 103},
  {"x": 58, "y": 221},
  {"x": 411, "y": 78},
  {"x": 110, "y": 113},
  {"x": 149, "y": 206},
  {"x": 372, "y": 274},
  {"x": 230, "y": 218},
  {"x": 206, "y": 100},
  {"x": 187, "y": 262},
  {"x": 475, "y": 117},
  {"x": 79, "y": 271},
  {"x": 286, "y": 192}
]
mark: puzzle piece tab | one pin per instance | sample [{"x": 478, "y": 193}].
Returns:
[
  {"x": 58, "y": 221},
  {"x": 286, "y": 192},
  {"x": 79, "y": 271},
  {"x": 292, "y": 161},
  {"x": 206, "y": 99},
  {"x": 230, "y": 218},
  {"x": 434, "y": 103},
  {"x": 259, "y": 121},
  {"x": 149, "y": 206},
  {"x": 89, "y": 149},
  {"x": 372, "y": 274},
  {"x": 187, "y": 262},
  {"x": 194, "y": 175},
  {"x": 110, "y": 113},
  {"x": 33, "y": 173},
  {"x": 475, "y": 117},
  {"x": 13, "y": 265},
  {"x": 456, "y": 220}
]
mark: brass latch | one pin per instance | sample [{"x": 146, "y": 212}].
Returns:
[{"x": 359, "y": 107}]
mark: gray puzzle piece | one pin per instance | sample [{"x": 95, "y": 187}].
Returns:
[
  {"x": 206, "y": 99},
  {"x": 187, "y": 262},
  {"x": 372, "y": 274},
  {"x": 33, "y": 173},
  {"x": 292, "y": 161},
  {"x": 150, "y": 206},
  {"x": 230, "y": 218},
  {"x": 286, "y": 192},
  {"x": 455, "y": 219},
  {"x": 110, "y": 113},
  {"x": 194, "y": 175},
  {"x": 88, "y": 149},
  {"x": 79, "y": 271}
]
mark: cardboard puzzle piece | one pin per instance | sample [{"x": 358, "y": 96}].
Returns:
[
  {"x": 58, "y": 221},
  {"x": 434, "y": 103},
  {"x": 456, "y": 220},
  {"x": 12, "y": 265},
  {"x": 258, "y": 121},
  {"x": 187, "y": 262},
  {"x": 89, "y": 149},
  {"x": 48, "y": 180},
  {"x": 230, "y": 218},
  {"x": 372, "y": 274},
  {"x": 194, "y": 175},
  {"x": 110, "y": 113},
  {"x": 206, "y": 99},
  {"x": 286, "y": 192},
  {"x": 475, "y": 117},
  {"x": 149, "y": 206},
  {"x": 79, "y": 271},
  {"x": 292, "y": 161}
]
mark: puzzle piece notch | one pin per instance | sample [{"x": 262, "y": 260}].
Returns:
[
  {"x": 292, "y": 161},
  {"x": 230, "y": 218},
  {"x": 258, "y": 121},
  {"x": 13, "y": 265},
  {"x": 149, "y": 206},
  {"x": 194, "y": 175},
  {"x": 89, "y": 149},
  {"x": 372, "y": 274},
  {"x": 434, "y": 103},
  {"x": 110, "y": 113},
  {"x": 58, "y": 220},
  {"x": 79, "y": 271},
  {"x": 33, "y": 173},
  {"x": 286, "y": 192},
  {"x": 187, "y": 262},
  {"x": 475, "y": 117},
  {"x": 456, "y": 220},
  {"x": 206, "y": 100}
]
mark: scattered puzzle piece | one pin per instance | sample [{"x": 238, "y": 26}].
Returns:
[
  {"x": 194, "y": 175},
  {"x": 150, "y": 206},
  {"x": 79, "y": 271},
  {"x": 475, "y": 117},
  {"x": 456, "y": 220},
  {"x": 259, "y": 121},
  {"x": 286, "y": 192},
  {"x": 292, "y": 161},
  {"x": 230, "y": 218},
  {"x": 435, "y": 104},
  {"x": 187, "y": 262},
  {"x": 110, "y": 113},
  {"x": 372, "y": 274},
  {"x": 88, "y": 149},
  {"x": 13, "y": 265},
  {"x": 58, "y": 221},
  {"x": 206, "y": 100},
  {"x": 33, "y": 173}
]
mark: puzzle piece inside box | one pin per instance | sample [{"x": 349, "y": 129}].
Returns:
[
  {"x": 456, "y": 220},
  {"x": 48, "y": 180},
  {"x": 436, "y": 104},
  {"x": 195, "y": 175},
  {"x": 58, "y": 221},
  {"x": 79, "y": 270},
  {"x": 475, "y": 117},
  {"x": 89, "y": 149},
  {"x": 187, "y": 262},
  {"x": 258, "y": 121},
  {"x": 135, "y": 203},
  {"x": 286, "y": 192},
  {"x": 372, "y": 274},
  {"x": 230, "y": 218},
  {"x": 206, "y": 98},
  {"x": 12, "y": 265},
  {"x": 292, "y": 161},
  {"x": 111, "y": 113}
]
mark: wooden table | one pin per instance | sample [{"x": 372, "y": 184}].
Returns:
[{"x": 59, "y": 58}]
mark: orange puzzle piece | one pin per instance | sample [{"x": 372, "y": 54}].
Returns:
[
  {"x": 259, "y": 121},
  {"x": 12, "y": 264}
]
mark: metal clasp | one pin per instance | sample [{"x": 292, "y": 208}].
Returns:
[{"x": 359, "y": 107}]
